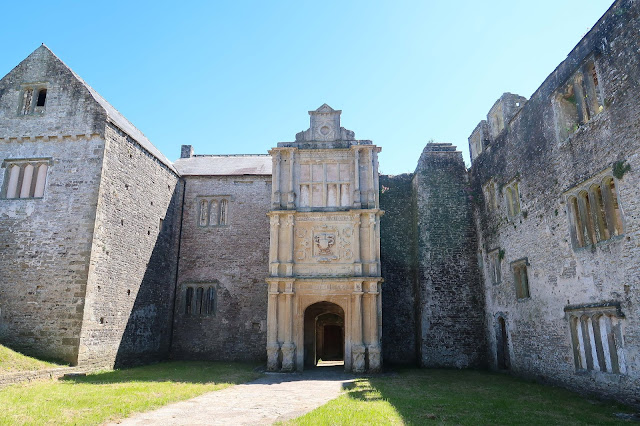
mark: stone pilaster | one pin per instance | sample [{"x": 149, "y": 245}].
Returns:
[
  {"x": 288, "y": 347},
  {"x": 273, "y": 347},
  {"x": 357, "y": 347}
]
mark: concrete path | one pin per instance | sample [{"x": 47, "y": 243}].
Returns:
[{"x": 275, "y": 397}]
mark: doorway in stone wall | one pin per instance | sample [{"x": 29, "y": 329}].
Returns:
[
  {"x": 323, "y": 335},
  {"x": 502, "y": 345}
]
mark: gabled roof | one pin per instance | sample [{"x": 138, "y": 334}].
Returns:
[
  {"x": 118, "y": 119},
  {"x": 224, "y": 165}
]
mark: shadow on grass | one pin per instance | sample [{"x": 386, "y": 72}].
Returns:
[
  {"x": 196, "y": 372},
  {"x": 480, "y": 397}
]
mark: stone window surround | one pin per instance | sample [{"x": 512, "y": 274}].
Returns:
[
  {"x": 494, "y": 266},
  {"x": 596, "y": 337},
  {"x": 36, "y": 188},
  {"x": 610, "y": 222},
  {"x": 511, "y": 193},
  {"x": 33, "y": 109},
  {"x": 208, "y": 308},
  {"x": 523, "y": 292},
  {"x": 491, "y": 194},
  {"x": 220, "y": 200},
  {"x": 578, "y": 100}
]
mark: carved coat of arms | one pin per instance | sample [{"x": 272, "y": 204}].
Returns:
[{"x": 324, "y": 243}]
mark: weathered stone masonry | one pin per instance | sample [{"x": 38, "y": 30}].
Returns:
[
  {"x": 111, "y": 254},
  {"x": 578, "y": 322}
]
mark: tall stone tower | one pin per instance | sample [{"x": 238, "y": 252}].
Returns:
[{"x": 324, "y": 259}]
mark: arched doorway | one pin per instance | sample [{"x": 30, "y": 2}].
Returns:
[
  {"x": 323, "y": 333},
  {"x": 502, "y": 345}
]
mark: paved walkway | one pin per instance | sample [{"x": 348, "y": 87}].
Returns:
[{"x": 275, "y": 397}]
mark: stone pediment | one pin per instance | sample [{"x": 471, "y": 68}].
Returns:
[{"x": 325, "y": 127}]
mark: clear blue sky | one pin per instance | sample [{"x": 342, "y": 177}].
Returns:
[{"x": 239, "y": 76}]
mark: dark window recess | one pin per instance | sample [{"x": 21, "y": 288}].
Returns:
[{"x": 42, "y": 97}]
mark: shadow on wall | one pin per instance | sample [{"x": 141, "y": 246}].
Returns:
[{"x": 147, "y": 335}]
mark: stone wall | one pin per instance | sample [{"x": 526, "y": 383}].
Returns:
[
  {"x": 549, "y": 160},
  {"x": 129, "y": 304},
  {"x": 397, "y": 243},
  {"x": 449, "y": 292},
  {"x": 233, "y": 260},
  {"x": 46, "y": 241}
]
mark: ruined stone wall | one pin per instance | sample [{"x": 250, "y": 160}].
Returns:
[
  {"x": 129, "y": 304},
  {"x": 449, "y": 292},
  {"x": 233, "y": 260},
  {"x": 547, "y": 165},
  {"x": 46, "y": 241},
  {"x": 397, "y": 240}
]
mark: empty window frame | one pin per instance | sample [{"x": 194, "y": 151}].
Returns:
[
  {"x": 25, "y": 178},
  {"x": 512, "y": 196},
  {"x": 578, "y": 101},
  {"x": 213, "y": 211},
  {"x": 521, "y": 278},
  {"x": 594, "y": 211},
  {"x": 200, "y": 299},
  {"x": 325, "y": 185},
  {"x": 490, "y": 195},
  {"x": 33, "y": 99},
  {"x": 596, "y": 337},
  {"x": 495, "y": 266}
]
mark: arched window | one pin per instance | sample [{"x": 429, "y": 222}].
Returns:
[
  {"x": 585, "y": 208},
  {"x": 27, "y": 178},
  {"x": 599, "y": 213},
  {"x": 12, "y": 186},
  {"x": 199, "y": 297},
  {"x": 40, "y": 180},
  {"x": 223, "y": 212},
  {"x": 204, "y": 212},
  {"x": 210, "y": 301},
  {"x": 577, "y": 221},
  {"x": 612, "y": 208},
  {"x": 188, "y": 306},
  {"x": 214, "y": 215}
]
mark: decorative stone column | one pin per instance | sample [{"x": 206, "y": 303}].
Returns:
[
  {"x": 273, "y": 245},
  {"x": 371, "y": 196},
  {"x": 291, "y": 195},
  {"x": 357, "y": 347},
  {"x": 356, "y": 177},
  {"x": 373, "y": 348},
  {"x": 275, "y": 198},
  {"x": 289, "y": 265},
  {"x": 288, "y": 347},
  {"x": 273, "y": 348},
  {"x": 357, "y": 260},
  {"x": 373, "y": 262}
]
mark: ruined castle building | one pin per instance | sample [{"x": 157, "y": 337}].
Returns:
[
  {"x": 529, "y": 261},
  {"x": 556, "y": 190},
  {"x": 324, "y": 258}
]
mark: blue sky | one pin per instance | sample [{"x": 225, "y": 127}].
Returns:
[{"x": 240, "y": 76}]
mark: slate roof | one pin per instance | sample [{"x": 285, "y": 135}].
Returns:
[{"x": 224, "y": 165}]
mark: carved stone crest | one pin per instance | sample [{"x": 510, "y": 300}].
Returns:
[{"x": 324, "y": 242}]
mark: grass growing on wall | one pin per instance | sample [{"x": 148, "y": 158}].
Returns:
[
  {"x": 12, "y": 361},
  {"x": 458, "y": 397},
  {"x": 112, "y": 395}
]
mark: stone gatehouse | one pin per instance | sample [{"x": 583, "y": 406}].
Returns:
[{"x": 528, "y": 261}]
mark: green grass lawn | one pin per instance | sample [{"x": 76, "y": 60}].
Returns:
[
  {"x": 113, "y": 395},
  {"x": 12, "y": 361},
  {"x": 459, "y": 397}
]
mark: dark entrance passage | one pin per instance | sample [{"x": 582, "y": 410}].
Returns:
[
  {"x": 502, "y": 343},
  {"x": 323, "y": 334}
]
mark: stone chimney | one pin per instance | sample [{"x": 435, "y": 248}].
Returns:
[{"x": 187, "y": 151}]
